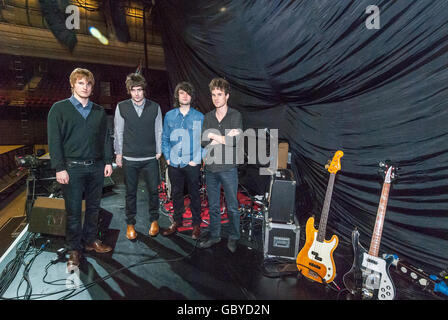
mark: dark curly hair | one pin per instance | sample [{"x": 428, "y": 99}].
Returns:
[{"x": 185, "y": 86}]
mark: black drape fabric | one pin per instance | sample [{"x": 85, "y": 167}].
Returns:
[
  {"x": 313, "y": 69},
  {"x": 56, "y": 18},
  {"x": 118, "y": 17}
]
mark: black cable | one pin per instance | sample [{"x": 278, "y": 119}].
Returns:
[
  {"x": 25, "y": 275},
  {"x": 84, "y": 286},
  {"x": 12, "y": 268},
  {"x": 284, "y": 261},
  {"x": 340, "y": 292},
  {"x": 75, "y": 291},
  {"x": 322, "y": 279},
  {"x": 276, "y": 262},
  {"x": 143, "y": 262}
]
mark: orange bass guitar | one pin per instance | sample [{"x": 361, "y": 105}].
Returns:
[{"x": 315, "y": 260}]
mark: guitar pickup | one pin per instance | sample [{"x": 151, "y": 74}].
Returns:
[
  {"x": 316, "y": 255},
  {"x": 314, "y": 265},
  {"x": 372, "y": 261}
]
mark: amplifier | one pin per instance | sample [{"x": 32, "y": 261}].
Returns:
[
  {"x": 48, "y": 216},
  {"x": 281, "y": 240},
  {"x": 282, "y": 197}
]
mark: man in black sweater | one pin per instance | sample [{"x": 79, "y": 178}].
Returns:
[
  {"x": 138, "y": 147},
  {"x": 221, "y": 132},
  {"x": 81, "y": 152}
]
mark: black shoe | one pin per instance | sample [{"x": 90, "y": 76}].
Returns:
[
  {"x": 208, "y": 243},
  {"x": 231, "y": 245}
]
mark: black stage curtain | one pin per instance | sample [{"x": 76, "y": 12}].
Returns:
[
  {"x": 313, "y": 69},
  {"x": 117, "y": 12},
  {"x": 55, "y": 18}
]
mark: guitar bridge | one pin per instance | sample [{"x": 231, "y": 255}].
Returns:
[{"x": 313, "y": 274}]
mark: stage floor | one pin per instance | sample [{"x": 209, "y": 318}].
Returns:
[{"x": 172, "y": 268}]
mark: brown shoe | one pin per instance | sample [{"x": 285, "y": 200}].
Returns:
[
  {"x": 73, "y": 261},
  {"x": 130, "y": 232},
  {"x": 196, "y": 232},
  {"x": 154, "y": 230},
  {"x": 172, "y": 229},
  {"x": 98, "y": 246}
]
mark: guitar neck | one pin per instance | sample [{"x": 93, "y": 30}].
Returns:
[
  {"x": 325, "y": 209},
  {"x": 380, "y": 215}
]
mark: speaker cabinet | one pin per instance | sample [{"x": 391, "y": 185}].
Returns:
[
  {"x": 282, "y": 197},
  {"x": 48, "y": 216}
]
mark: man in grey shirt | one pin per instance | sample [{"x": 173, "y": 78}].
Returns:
[
  {"x": 221, "y": 131},
  {"x": 138, "y": 147}
]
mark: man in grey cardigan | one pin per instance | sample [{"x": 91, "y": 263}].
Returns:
[{"x": 138, "y": 147}]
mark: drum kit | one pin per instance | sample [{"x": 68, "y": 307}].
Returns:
[{"x": 252, "y": 208}]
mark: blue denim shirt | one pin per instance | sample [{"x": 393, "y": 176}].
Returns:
[
  {"x": 84, "y": 111},
  {"x": 181, "y": 138}
]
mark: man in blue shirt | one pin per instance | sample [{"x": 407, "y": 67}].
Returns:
[{"x": 181, "y": 147}]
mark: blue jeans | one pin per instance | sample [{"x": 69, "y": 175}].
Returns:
[{"x": 229, "y": 180}]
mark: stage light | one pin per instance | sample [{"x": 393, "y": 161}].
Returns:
[
  {"x": 97, "y": 34},
  {"x": 135, "y": 12},
  {"x": 223, "y": 9}
]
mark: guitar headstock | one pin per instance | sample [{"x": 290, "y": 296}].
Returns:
[
  {"x": 388, "y": 171},
  {"x": 335, "y": 164}
]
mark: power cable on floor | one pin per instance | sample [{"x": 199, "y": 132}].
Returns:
[
  {"x": 71, "y": 292},
  {"x": 12, "y": 268}
]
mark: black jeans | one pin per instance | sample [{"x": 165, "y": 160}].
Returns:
[
  {"x": 150, "y": 171},
  {"x": 177, "y": 177},
  {"x": 87, "y": 180}
]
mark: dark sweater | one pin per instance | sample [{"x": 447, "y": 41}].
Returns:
[
  {"x": 232, "y": 120},
  {"x": 139, "y": 139},
  {"x": 71, "y": 137}
]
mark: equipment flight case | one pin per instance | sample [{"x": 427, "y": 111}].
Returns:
[{"x": 281, "y": 240}]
